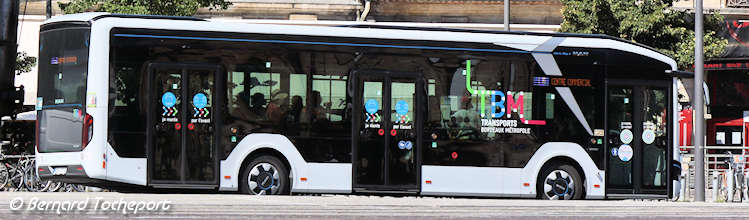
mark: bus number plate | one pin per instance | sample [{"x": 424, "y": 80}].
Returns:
[{"x": 59, "y": 171}]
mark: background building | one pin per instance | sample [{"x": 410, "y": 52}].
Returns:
[{"x": 728, "y": 75}]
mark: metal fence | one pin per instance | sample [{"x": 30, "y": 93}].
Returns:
[{"x": 723, "y": 182}]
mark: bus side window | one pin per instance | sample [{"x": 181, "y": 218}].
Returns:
[
  {"x": 284, "y": 95},
  {"x": 127, "y": 116}
]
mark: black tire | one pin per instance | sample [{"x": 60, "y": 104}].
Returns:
[
  {"x": 270, "y": 177},
  {"x": 559, "y": 176}
]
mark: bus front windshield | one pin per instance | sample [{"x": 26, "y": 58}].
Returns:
[{"x": 63, "y": 66}]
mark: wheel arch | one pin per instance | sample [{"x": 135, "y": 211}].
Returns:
[
  {"x": 571, "y": 153},
  {"x": 255, "y": 145},
  {"x": 263, "y": 151},
  {"x": 561, "y": 159}
]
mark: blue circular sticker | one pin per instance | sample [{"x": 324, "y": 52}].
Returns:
[
  {"x": 401, "y": 145},
  {"x": 409, "y": 145},
  {"x": 372, "y": 106},
  {"x": 168, "y": 99},
  {"x": 401, "y": 107},
  {"x": 615, "y": 152},
  {"x": 199, "y": 100}
]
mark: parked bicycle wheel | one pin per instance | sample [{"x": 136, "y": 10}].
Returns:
[
  {"x": 53, "y": 186},
  {"x": 74, "y": 188},
  {"x": 16, "y": 178},
  {"x": 4, "y": 177},
  {"x": 31, "y": 180}
]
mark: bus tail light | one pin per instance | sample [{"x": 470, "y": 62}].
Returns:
[{"x": 88, "y": 130}]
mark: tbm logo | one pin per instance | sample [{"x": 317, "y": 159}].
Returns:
[{"x": 498, "y": 101}]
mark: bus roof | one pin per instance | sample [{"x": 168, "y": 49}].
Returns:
[
  {"x": 554, "y": 34},
  {"x": 531, "y": 41}
]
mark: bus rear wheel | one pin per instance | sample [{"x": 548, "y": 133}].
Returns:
[
  {"x": 559, "y": 182},
  {"x": 265, "y": 175}
]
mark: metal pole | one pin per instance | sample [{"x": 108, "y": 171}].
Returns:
[
  {"x": 699, "y": 106},
  {"x": 507, "y": 15},
  {"x": 730, "y": 179},
  {"x": 49, "y": 9},
  {"x": 684, "y": 192},
  {"x": 715, "y": 186}
]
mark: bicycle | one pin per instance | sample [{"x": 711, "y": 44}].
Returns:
[
  {"x": 736, "y": 164},
  {"x": 32, "y": 181},
  {"x": 13, "y": 175}
]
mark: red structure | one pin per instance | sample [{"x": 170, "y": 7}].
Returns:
[{"x": 685, "y": 128}]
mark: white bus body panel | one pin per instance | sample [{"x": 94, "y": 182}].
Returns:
[
  {"x": 320, "y": 177},
  {"x": 466, "y": 181},
  {"x": 489, "y": 181},
  {"x": 326, "y": 178},
  {"x": 126, "y": 170}
]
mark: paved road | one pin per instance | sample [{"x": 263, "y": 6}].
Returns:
[{"x": 227, "y": 206}]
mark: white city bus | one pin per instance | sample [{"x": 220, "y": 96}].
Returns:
[{"x": 175, "y": 102}]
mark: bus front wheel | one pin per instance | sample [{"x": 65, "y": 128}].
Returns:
[
  {"x": 265, "y": 175},
  {"x": 559, "y": 182}
]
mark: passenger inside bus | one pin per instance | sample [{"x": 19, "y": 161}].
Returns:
[
  {"x": 465, "y": 120},
  {"x": 277, "y": 106}
]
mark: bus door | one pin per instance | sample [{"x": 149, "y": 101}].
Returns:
[
  {"x": 182, "y": 139},
  {"x": 638, "y": 138},
  {"x": 386, "y": 143}
]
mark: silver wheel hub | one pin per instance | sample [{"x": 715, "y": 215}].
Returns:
[
  {"x": 263, "y": 179},
  {"x": 559, "y": 185}
]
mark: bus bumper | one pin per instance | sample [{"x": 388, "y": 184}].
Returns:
[
  {"x": 69, "y": 167},
  {"x": 69, "y": 174}
]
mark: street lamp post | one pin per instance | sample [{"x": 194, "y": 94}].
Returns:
[
  {"x": 49, "y": 9},
  {"x": 507, "y": 15},
  {"x": 699, "y": 106}
]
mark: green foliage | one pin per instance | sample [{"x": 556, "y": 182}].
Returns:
[
  {"x": 151, "y": 7},
  {"x": 24, "y": 63},
  {"x": 650, "y": 22}
]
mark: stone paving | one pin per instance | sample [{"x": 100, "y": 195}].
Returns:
[{"x": 111, "y": 205}]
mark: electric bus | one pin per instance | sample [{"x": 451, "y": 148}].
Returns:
[{"x": 180, "y": 102}]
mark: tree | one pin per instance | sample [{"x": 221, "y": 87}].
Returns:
[
  {"x": 650, "y": 22},
  {"x": 152, "y": 7},
  {"x": 24, "y": 62}
]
